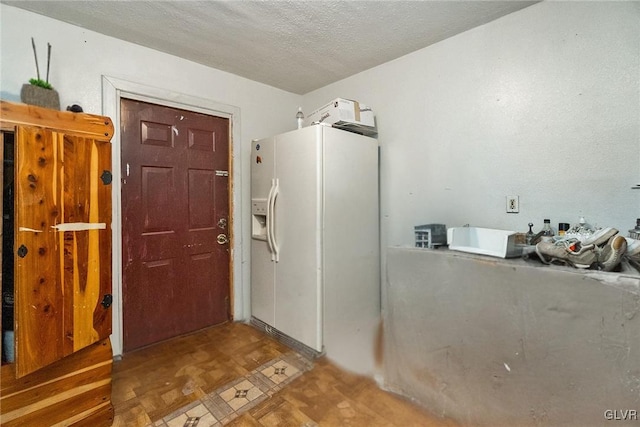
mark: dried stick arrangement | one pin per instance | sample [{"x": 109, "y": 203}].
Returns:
[{"x": 39, "y": 82}]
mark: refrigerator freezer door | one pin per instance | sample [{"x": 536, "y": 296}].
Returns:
[
  {"x": 297, "y": 234},
  {"x": 262, "y": 268}
]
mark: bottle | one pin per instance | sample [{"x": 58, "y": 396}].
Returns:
[
  {"x": 563, "y": 227},
  {"x": 299, "y": 117},
  {"x": 634, "y": 233},
  {"x": 547, "y": 228}
]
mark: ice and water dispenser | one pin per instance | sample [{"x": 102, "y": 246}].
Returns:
[{"x": 259, "y": 219}]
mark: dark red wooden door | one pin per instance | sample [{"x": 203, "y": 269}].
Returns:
[{"x": 175, "y": 222}]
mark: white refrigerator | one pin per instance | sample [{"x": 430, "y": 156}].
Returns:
[{"x": 315, "y": 250}]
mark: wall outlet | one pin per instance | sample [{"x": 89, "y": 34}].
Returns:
[{"x": 513, "y": 204}]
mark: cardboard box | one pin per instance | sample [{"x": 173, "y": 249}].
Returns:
[
  {"x": 430, "y": 235},
  {"x": 343, "y": 112}
]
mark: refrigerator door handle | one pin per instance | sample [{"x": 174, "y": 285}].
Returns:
[
  {"x": 269, "y": 214},
  {"x": 275, "y": 254}
]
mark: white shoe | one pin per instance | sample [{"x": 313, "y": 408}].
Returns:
[
  {"x": 612, "y": 253},
  {"x": 600, "y": 237}
]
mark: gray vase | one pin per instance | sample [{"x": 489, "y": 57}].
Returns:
[{"x": 36, "y": 95}]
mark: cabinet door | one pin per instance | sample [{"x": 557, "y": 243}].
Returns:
[{"x": 62, "y": 245}]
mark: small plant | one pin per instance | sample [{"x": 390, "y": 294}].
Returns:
[{"x": 39, "y": 82}]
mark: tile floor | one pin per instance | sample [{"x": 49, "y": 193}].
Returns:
[
  {"x": 236, "y": 375},
  {"x": 229, "y": 401}
]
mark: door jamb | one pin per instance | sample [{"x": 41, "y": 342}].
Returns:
[{"x": 113, "y": 89}]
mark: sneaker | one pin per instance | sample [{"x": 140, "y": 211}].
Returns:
[
  {"x": 611, "y": 254},
  {"x": 569, "y": 252},
  {"x": 600, "y": 237}
]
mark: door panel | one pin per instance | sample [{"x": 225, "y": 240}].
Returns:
[
  {"x": 158, "y": 185},
  {"x": 63, "y": 222},
  {"x": 38, "y": 277},
  {"x": 201, "y": 204},
  {"x": 175, "y": 192}
]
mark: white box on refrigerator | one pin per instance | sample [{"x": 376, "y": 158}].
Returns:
[{"x": 342, "y": 111}]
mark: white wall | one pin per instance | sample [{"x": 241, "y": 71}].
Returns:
[
  {"x": 79, "y": 60},
  {"x": 543, "y": 103}
]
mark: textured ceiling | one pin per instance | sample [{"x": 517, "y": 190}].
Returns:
[{"x": 297, "y": 46}]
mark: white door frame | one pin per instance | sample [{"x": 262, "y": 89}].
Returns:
[{"x": 113, "y": 89}]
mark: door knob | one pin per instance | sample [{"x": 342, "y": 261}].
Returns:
[{"x": 222, "y": 239}]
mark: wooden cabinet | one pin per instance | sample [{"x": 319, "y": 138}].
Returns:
[{"x": 62, "y": 269}]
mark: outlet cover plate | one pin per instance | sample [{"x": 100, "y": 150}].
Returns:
[{"x": 513, "y": 204}]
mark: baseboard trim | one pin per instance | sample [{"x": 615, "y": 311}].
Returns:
[{"x": 285, "y": 339}]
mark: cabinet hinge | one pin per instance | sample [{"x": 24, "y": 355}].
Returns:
[
  {"x": 107, "y": 300},
  {"x": 22, "y": 251},
  {"x": 106, "y": 177}
]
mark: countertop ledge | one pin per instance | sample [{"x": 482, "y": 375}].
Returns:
[{"x": 627, "y": 279}]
